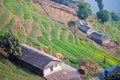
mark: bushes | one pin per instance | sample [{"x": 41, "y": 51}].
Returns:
[
  {"x": 84, "y": 10},
  {"x": 11, "y": 44},
  {"x": 103, "y": 15}
]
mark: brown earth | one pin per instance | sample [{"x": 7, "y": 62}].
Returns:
[
  {"x": 7, "y": 20},
  {"x": 17, "y": 25},
  {"x": 67, "y": 35},
  {"x": 63, "y": 13},
  {"x": 29, "y": 27},
  {"x": 37, "y": 34},
  {"x": 50, "y": 37},
  {"x": 0, "y": 12},
  {"x": 0, "y": 1},
  {"x": 49, "y": 29},
  {"x": 59, "y": 32}
]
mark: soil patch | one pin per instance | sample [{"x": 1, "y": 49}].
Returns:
[
  {"x": 37, "y": 34},
  {"x": 67, "y": 35},
  {"x": 59, "y": 32},
  {"x": 17, "y": 25},
  {"x": 29, "y": 27},
  {"x": 6, "y": 21}
]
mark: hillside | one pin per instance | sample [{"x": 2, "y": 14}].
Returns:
[
  {"x": 12, "y": 71},
  {"x": 30, "y": 23}
]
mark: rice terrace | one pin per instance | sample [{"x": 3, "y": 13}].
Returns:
[{"x": 37, "y": 24}]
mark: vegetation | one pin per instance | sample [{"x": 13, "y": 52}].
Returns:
[
  {"x": 71, "y": 23},
  {"x": 100, "y": 4},
  {"x": 115, "y": 76},
  {"x": 103, "y": 16},
  {"x": 41, "y": 29},
  {"x": 12, "y": 45},
  {"x": 12, "y": 71},
  {"x": 114, "y": 16},
  {"x": 84, "y": 10}
]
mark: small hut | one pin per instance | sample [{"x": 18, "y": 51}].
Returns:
[
  {"x": 86, "y": 29},
  {"x": 99, "y": 38},
  {"x": 39, "y": 62}
]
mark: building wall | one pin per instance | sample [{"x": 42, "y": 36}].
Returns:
[
  {"x": 90, "y": 31},
  {"x": 55, "y": 69},
  {"x": 105, "y": 41}
]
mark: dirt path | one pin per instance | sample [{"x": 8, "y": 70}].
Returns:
[
  {"x": 17, "y": 25},
  {"x": 28, "y": 29},
  {"x": 7, "y": 20},
  {"x": 59, "y": 32},
  {"x": 67, "y": 35},
  {"x": 38, "y": 34}
]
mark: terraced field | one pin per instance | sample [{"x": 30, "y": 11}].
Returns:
[
  {"x": 37, "y": 29},
  {"x": 110, "y": 28}
]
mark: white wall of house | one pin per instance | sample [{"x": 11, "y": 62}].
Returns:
[
  {"x": 55, "y": 69},
  {"x": 90, "y": 31},
  {"x": 105, "y": 41}
]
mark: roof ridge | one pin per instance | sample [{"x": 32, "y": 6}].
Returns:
[{"x": 45, "y": 54}]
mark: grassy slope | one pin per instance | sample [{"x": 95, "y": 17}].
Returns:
[
  {"x": 9, "y": 71},
  {"x": 73, "y": 48},
  {"x": 111, "y": 28}
]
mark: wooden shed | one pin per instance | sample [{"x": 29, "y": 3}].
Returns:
[
  {"x": 99, "y": 38},
  {"x": 39, "y": 62}
]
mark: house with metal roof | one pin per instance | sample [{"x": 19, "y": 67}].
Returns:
[
  {"x": 86, "y": 29},
  {"x": 99, "y": 38},
  {"x": 79, "y": 23},
  {"x": 39, "y": 62}
]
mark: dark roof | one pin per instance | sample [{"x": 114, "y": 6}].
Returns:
[
  {"x": 35, "y": 57},
  {"x": 79, "y": 23},
  {"x": 113, "y": 69},
  {"x": 99, "y": 36},
  {"x": 96, "y": 35},
  {"x": 85, "y": 28}
]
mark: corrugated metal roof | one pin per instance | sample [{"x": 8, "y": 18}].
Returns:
[
  {"x": 85, "y": 28},
  {"x": 35, "y": 57},
  {"x": 99, "y": 36}
]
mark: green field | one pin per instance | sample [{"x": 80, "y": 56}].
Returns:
[
  {"x": 110, "y": 28},
  {"x": 73, "y": 48},
  {"x": 11, "y": 71}
]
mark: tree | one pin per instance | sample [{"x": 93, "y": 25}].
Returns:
[
  {"x": 114, "y": 16},
  {"x": 103, "y": 15},
  {"x": 12, "y": 45},
  {"x": 84, "y": 10},
  {"x": 100, "y": 4}
]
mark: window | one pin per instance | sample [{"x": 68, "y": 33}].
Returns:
[{"x": 51, "y": 68}]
